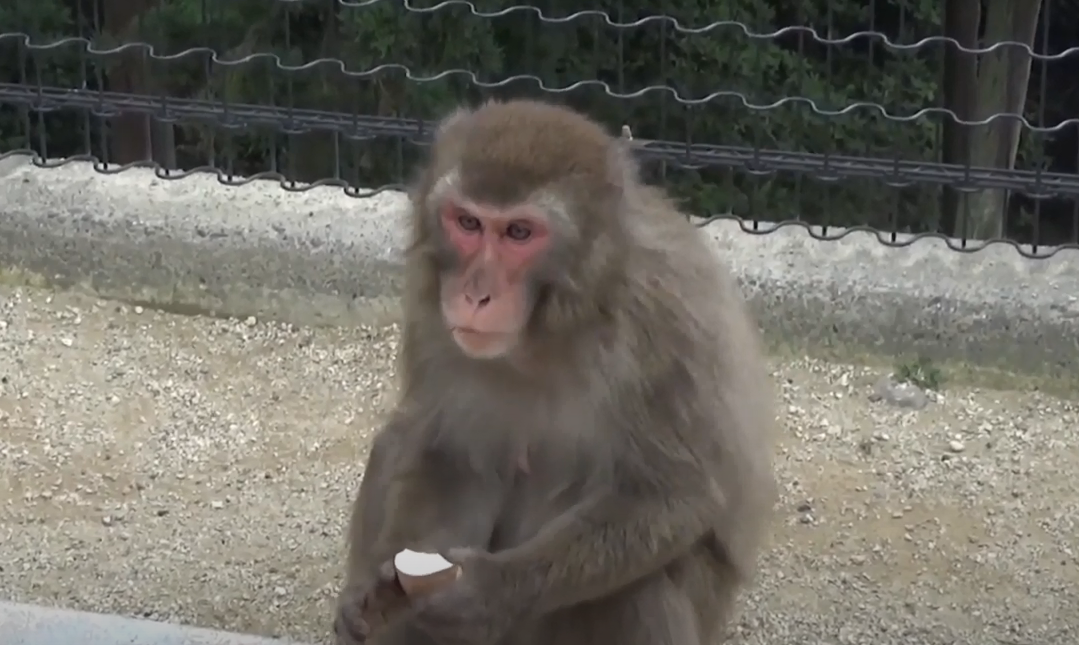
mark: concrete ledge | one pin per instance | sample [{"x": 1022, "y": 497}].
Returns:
[
  {"x": 33, "y": 625},
  {"x": 321, "y": 257}
]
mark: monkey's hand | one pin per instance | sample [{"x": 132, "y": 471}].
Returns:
[
  {"x": 366, "y": 606},
  {"x": 607, "y": 542},
  {"x": 475, "y": 609}
]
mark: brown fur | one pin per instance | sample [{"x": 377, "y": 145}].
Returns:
[{"x": 613, "y": 477}]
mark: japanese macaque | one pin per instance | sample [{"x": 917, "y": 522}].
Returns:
[{"x": 586, "y": 421}]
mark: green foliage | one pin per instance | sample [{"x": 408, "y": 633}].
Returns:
[
  {"x": 696, "y": 65},
  {"x": 44, "y": 21},
  {"x": 921, "y": 372}
]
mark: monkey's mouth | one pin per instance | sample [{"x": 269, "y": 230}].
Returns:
[
  {"x": 479, "y": 343},
  {"x": 475, "y": 335},
  {"x": 473, "y": 332}
]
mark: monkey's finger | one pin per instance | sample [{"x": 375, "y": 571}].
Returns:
[
  {"x": 460, "y": 555},
  {"x": 447, "y": 630},
  {"x": 350, "y": 631},
  {"x": 371, "y": 620},
  {"x": 425, "y": 609},
  {"x": 386, "y": 604},
  {"x": 387, "y": 572}
]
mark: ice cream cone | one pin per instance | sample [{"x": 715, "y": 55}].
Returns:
[{"x": 423, "y": 573}]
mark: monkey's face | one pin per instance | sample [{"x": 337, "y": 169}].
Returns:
[{"x": 488, "y": 293}]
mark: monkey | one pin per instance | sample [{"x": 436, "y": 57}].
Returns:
[{"x": 585, "y": 418}]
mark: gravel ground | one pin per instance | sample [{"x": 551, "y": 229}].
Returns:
[{"x": 199, "y": 471}]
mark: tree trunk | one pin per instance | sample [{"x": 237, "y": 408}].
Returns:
[
  {"x": 131, "y": 138},
  {"x": 960, "y": 84},
  {"x": 1003, "y": 76}
]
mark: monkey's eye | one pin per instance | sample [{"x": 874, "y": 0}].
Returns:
[
  {"x": 518, "y": 232},
  {"x": 469, "y": 223}
]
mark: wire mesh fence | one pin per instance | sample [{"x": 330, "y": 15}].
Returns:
[{"x": 911, "y": 119}]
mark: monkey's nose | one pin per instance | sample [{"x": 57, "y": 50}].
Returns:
[{"x": 478, "y": 303}]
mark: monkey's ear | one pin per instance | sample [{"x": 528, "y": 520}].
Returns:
[
  {"x": 622, "y": 164},
  {"x": 454, "y": 119}
]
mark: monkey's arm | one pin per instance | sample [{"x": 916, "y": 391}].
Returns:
[
  {"x": 612, "y": 539},
  {"x": 409, "y": 498},
  {"x": 368, "y": 512}
]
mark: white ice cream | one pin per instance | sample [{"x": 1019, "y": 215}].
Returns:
[{"x": 417, "y": 564}]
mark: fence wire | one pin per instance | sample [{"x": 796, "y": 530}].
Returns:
[{"x": 29, "y": 100}]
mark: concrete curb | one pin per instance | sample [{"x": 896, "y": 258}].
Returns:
[
  {"x": 33, "y": 625},
  {"x": 321, "y": 257}
]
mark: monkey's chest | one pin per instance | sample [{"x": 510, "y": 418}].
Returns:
[
  {"x": 470, "y": 511},
  {"x": 442, "y": 509},
  {"x": 535, "y": 498}
]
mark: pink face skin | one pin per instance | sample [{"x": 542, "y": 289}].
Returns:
[{"x": 486, "y": 305}]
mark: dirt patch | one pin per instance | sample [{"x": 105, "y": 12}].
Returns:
[{"x": 200, "y": 471}]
